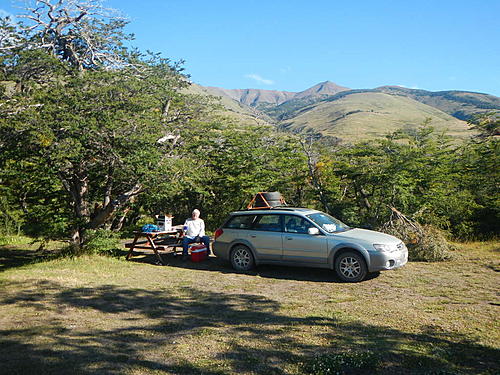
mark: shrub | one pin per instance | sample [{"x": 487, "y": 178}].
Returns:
[
  {"x": 424, "y": 242},
  {"x": 101, "y": 241},
  {"x": 347, "y": 362}
]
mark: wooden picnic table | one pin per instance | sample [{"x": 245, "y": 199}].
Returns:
[{"x": 162, "y": 240}]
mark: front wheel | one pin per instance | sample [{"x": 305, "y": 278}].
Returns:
[
  {"x": 242, "y": 258},
  {"x": 351, "y": 267}
]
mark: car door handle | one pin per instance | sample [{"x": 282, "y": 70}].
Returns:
[
  {"x": 253, "y": 236},
  {"x": 289, "y": 238}
]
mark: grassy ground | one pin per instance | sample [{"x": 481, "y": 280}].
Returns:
[{"x": 95, "y": 315}]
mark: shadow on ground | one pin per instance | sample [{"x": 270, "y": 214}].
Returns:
[
  {"x": 13, "y": 258},
  {"x": 145, "y": 329},
  {"x": 214, "y": 264}
]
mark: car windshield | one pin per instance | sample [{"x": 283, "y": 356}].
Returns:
[{"x": 328, "y": 223}]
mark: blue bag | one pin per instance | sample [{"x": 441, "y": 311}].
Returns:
[{"x": 148, "y": 228}]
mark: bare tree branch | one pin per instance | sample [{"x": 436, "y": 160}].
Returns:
[{"x": 82, "y": 33}]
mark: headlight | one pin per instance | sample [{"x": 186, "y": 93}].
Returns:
[{"x": 384, "y": 247}]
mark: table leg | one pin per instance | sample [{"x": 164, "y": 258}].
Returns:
[
  {"x": 152, "y": 243},
  {"x": 132, "y": 247}
]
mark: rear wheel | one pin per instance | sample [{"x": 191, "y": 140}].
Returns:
[
  {"x": 242, "y": 258},
  {"x": 351, "y": 267}
]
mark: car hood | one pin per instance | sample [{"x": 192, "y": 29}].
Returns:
[{"x": 368, "y": 236}]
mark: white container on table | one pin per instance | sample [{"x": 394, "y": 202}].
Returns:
[{"x": 164, "y": 222}]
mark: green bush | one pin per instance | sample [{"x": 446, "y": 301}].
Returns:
[
  {"x": 101, "y": 241},
  {"x": 347, "y": 362}
]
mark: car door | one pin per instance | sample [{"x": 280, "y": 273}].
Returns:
[
  {"x": 265, "y": 236},
  {"x": 298, "y": 245}
]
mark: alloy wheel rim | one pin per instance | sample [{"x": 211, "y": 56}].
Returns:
[
  {"x": 241, "y": 258},
  {"x": 350, "y": 267}
]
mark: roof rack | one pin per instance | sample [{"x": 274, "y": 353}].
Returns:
[
  {"x": 269, "y": 208},
  {"x": 281, "y": 208},
  {"x": 266, "y": 200}
]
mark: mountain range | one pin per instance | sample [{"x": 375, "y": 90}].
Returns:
[{"x": 351, "y": 115}]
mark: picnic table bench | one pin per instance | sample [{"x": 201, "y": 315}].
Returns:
[{"x": 162, "y": 240}]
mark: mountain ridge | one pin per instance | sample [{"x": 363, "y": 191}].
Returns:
[
  {"x": 336, "y": 111},
  {"x": 254, "y": 97}
]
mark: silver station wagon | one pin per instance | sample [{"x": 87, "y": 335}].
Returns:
[{"x": 305, "y": 237}]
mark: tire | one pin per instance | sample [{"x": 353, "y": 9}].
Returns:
[
  {"x": 351, "y": 267},
  {"x": 242, "y": 258},
  {"x": 273, "y": 198},
  {"x": 272, "y": 195}
]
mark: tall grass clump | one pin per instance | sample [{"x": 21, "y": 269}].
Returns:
[{"x": 14, "y": 239}]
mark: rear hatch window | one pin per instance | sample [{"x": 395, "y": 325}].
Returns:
[{"x": 240, "y": 222}]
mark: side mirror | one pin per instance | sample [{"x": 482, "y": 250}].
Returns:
[{"x": 313, "y": 231}]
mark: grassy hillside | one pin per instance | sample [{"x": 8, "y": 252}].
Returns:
[
  {"x": 230, "y": 108},
  {"x": 353, "y": 115},
  {"x": 459, "y": 104},
  {"x": 95, "y": 315},
  {"x": 369, "y": 115}
]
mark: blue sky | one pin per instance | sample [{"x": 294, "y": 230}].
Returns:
[{"x": 292, "y": 45}]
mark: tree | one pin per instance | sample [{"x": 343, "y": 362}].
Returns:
[
  {"x": 480, "y": 161},
  {"x": 225, "y": 165},
  {"x": 487, "y": 125},
  {"x": 86, "y": 111},
  {"x": 417, "y": 172},
  {"x": 83, "y": 34}
]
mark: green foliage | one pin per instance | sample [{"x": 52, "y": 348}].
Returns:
[
  {"x": 139, "y": 220},
  {"x": 11, "y": 218},
  {"x": 481, "y": 158},
  {"x": 102, "y": 242},
  {"x": 224, "y": 165},
  {"x": 487, "y": 124},
  {"x": 418, "y": 172},
  {"x": 348, "y": 362},
  {"x": 80, "y": 138}
]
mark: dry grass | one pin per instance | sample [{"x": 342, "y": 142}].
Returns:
[
  {"x": 95, "y": 315},
  {"x": 363, "y": 116}
]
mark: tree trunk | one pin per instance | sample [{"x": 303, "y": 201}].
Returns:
[
  {"x": 107, "y": 212},
  {"x": 76, "y": 239},
  {"x": 119, "y": 223},
  {"x": 77, "y": 186},
  {"x": 311, "y": 164}
]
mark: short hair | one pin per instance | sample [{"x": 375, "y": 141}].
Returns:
[{"x": 196, "y": 211}]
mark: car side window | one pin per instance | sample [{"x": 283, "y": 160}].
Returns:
[
  {"x": 240, "y": 222},
  {"x": 271, "y": 223},
  {"x": 296, "y": 224}
]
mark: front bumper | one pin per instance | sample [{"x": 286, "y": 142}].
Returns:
[{"x": 382, "y": 261}]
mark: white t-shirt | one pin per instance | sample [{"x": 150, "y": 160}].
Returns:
[{"x": 195, "y": 228}]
